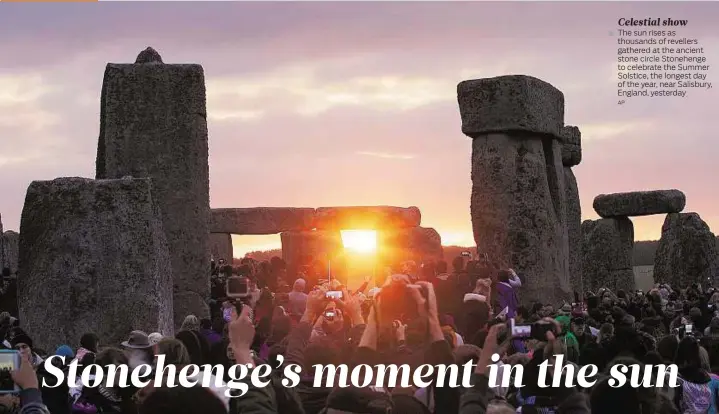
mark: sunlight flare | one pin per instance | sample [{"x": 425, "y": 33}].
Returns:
[{"x": 360, "y": 241}]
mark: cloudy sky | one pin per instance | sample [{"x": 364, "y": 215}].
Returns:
[{"x": 320, "y": 104}]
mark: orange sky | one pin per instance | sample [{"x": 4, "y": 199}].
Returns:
[{"x": 325, "y": 104}]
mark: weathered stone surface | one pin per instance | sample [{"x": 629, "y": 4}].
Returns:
[
  {"x": 93, "y": 258},
  {"x": 366, "y": 217},
  {"x": 148, "y": 55},
  {"x": 517, "y": 209},
  {"x": 221, "y": 246},
  {"x": 302, "y": 248},
  {"x": 261, "y": 220},
  {"x": 10, "y": 250},
  {"x": 687, "y": 252},
  {"x": 510, "y": 103},
  {"x": 639, "y": 203},
  {"x": 571, "y": 139},
  {"x": 153, "y": 124},
  {"x": 574, "y": 229},
  {"x": 607, "y": 254},
  {"x": 2, "y": 245},
  {"x": 297, "y": 246},
  {"x": 414, "y": 243}
]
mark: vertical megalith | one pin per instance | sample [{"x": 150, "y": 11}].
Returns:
[
  {"x": 517, "y": 202},
  {"x": 221, "y": 247},
  {"x": 2, "y": 245},
  {"x": 572, "y": 155},
  {"x": 153, "y": 124},
  {"x": 93, "y": 258},
  {"x": 687, "y": 252},
  {"x": 607, "y": 254},
  {"x": 10, "y": 250}
]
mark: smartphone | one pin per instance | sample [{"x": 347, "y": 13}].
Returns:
[
  {"x": 688, "y": 329},
  {"x": 519, "y": 331},
  {"x": 237, "y": 287},
  {"x": 329, "y": 315},
  {"x": 334, "y": 294},
  {"x": 466, "y": 254},
  {"x": 9, "y": 361}
]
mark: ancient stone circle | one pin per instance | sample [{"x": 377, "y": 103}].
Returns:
[{"x": 131, "y": 248}]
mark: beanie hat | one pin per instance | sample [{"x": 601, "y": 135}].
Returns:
[
  {"x": 20, "y": 337},
  {"x": 64, "y": 350}
]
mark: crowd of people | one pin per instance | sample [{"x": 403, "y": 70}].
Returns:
[{"x": 428, "y": 313}]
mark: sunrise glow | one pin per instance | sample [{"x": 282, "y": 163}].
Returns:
[{"x": 360, "y": 241}]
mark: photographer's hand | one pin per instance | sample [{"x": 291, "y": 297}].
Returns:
[
  {"x": 25, "y": 377},
  {"x": 490, "y": 348},
  {"x": 241, "y": 333},
  {"x": 400, "y": 331},
  {"x": 350, "y": 304},
  {"x": 428, "y": 307},
  {"x": 316, "y": 302}
]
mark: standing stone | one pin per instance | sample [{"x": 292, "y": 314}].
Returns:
[
  {"x": 639, "y": 203},
  {"x": 2, "y": 245},
  {"x": 153, "y": 124},
  {"x": 517, "y": 210},
  {"x": 572, "y": 155},
  {"x": 687, "y": 252},
  {"x": 420, "y": 244},
  {"x": 10, "y": 250},
  {"x": 607, "y": 254},
  {"x": 301, "y": 248},
  {"x": 571, "y": 139},
  {"x": 574, "y": 230},
  {"x": 93, "y": 258},
  {"x": 221, "y": 247}
]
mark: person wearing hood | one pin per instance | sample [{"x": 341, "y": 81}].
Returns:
[
  {"x": 297, "y": 300},
  {"x": 191, "y": 323},
  {"x": 696, "y": 393},
  {"x": 566, "y": 336}
]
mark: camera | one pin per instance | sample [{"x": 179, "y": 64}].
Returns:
[
  {"x": 330, "y": 315},
  {"x": 237, "y": 287},
  {"x": 537, "y": 330}
]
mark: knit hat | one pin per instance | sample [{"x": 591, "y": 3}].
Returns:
[
  {"x": 64, "y": 350},
  {"x": 20, "y": 337}
]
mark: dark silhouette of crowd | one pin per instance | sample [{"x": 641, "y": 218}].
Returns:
[{"x": 412, "y": 313}]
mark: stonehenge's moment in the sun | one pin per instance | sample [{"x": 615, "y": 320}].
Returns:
[{"x": 324, "y": 189}]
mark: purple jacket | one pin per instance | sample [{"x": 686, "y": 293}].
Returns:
[
  {"x": 211, "y": 336},
  {"x": 507, "y": 298}
]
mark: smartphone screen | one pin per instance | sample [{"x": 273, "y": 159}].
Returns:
[
  {"x": 9, "y": 361},
  {"x": 334, "y": 294},
  {"x": 519, "y": 331},
  {"x": 688, "y": 328}
]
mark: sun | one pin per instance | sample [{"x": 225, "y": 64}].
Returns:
[{"x": 360, "y": 241}]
